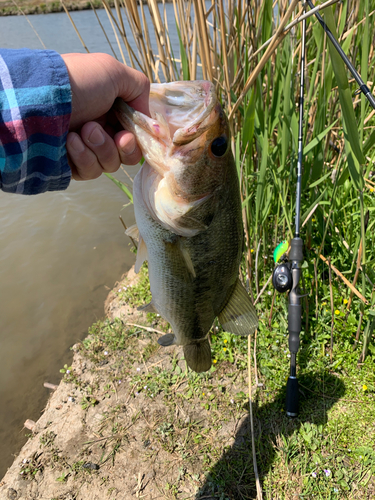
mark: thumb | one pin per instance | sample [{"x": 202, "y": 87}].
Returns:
[{"x": 134, "y": 89}]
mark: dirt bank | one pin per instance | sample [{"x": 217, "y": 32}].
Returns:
[
  {"x": 28, "y": 7},
  {"x": 128, "y": 421}
]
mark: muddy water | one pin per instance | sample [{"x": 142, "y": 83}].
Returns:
[{"x": 59, "y": 255}]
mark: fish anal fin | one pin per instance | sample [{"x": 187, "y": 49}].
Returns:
[
  {"x": 166, "y": 340},
  {"x": 239, "y": 315},
  {"x": 141, "y": 254},
  {"x": 198, "y": 356},
  {"x": 147, "y": 308}
]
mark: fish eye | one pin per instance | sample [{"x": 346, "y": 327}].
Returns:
[{"x": 219, "y": 146}]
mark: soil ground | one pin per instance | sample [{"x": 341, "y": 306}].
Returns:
[{"x": 122, "y": 423}]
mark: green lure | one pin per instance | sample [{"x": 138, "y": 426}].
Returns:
[{"x": 280, "y": 250}]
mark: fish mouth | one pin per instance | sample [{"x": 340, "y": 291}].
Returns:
[
  {"x": 180, "y": 112},
  {"x": 177, "y": 186},
  {"x": 185, "y": 107}
]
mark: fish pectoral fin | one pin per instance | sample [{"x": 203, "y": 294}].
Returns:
[
  {"x": 198, "y": 356},
  {"x": 166, "y": 340},
  {"x": 186, "y": 255},
  {"x": 180, "y": 257},
  {"x": 142, "y": 254},
  {"x": 147, "y": 308},
  {"x": 239, "y": 315},
  {"x": 133, "y": 232}
]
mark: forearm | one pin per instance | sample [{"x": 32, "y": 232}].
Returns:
[{"x": 35, "y": 109}]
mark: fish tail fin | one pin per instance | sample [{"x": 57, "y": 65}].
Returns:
[{"x": 198, "y": 356}]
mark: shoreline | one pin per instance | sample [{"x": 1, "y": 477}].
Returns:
[
  {"x": 50, "y": 6},
  {"x": 56, "y": 462},
  {"x": 109, "y": 429},
  {"x": 31, "y": 7}
]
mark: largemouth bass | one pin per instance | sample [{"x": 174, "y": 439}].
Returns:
[{"x": 188, "y": 216}]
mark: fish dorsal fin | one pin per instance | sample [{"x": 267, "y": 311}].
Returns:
[
  {"x": 166, "y": 340},
  {"x": 198, "y": 356},
  {"x": 133, "y": 232},
  {"x": 142, "y": 254},
  {"x": 147, "y": 308},
  {"x": 239, "y": 315}
]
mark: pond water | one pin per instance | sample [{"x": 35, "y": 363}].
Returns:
[{"x": 60, "y": 253}]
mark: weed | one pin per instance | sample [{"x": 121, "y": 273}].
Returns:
[
  {"x": 136, "y": 296},
  {"x": 88, "y": 401},
  {"x": 47, "y": 439},
  {"x": 67, "y": 369},
  {"x": 63, "y": 478},
  {"x": 31, "y": 466}
]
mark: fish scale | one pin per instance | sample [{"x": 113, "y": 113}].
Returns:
[{"x": 177, "y": 296}]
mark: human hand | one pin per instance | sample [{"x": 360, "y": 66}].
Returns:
[{"x": 96, "y": 142}]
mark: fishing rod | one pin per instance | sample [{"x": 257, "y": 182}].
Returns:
[
  {"x": 287, "y": 273},
  {"x": 362, "y": 86}
]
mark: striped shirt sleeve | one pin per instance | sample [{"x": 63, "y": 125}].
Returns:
[{"x": 35, "y": 108}]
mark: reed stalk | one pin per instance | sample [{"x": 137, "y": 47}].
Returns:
[{"x": 251, "y": 52}]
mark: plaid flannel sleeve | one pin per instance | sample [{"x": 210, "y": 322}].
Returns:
[{"x": 35, "y": 108}]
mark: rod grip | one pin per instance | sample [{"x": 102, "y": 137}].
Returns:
[
  {"x": 292, "y": 397},
  {"x": 294, "y": 326}
]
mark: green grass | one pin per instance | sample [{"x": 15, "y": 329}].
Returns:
[{"x": 327, "y": 452}]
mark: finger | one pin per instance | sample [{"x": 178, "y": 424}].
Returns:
[
  {"x": 83, "y": 162},
  {"x": 135, "y": 89},
  {"x": 128, "y": 148},
  {"x": 100, "y": 143}
]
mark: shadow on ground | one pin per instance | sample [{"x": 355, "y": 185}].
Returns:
[{"x": 232, "y": 477}]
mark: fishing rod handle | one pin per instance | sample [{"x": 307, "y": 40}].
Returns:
[
  {"x": 295, "y": 306},
  {"x": 294, "y": 326},
  {"x": 294, "y": 313},
  {"x": 292, "y": 397}
]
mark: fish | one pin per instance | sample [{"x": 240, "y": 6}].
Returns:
[{"x": 188, "y": 216}]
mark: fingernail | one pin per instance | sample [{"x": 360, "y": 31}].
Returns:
[
  {"x": 96, "y": 137},
  {"x": 130, "y": 147},
  {"x": 76, "y": 144}
]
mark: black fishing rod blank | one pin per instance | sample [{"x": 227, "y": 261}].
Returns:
[{"x": 362, "y": 86}]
